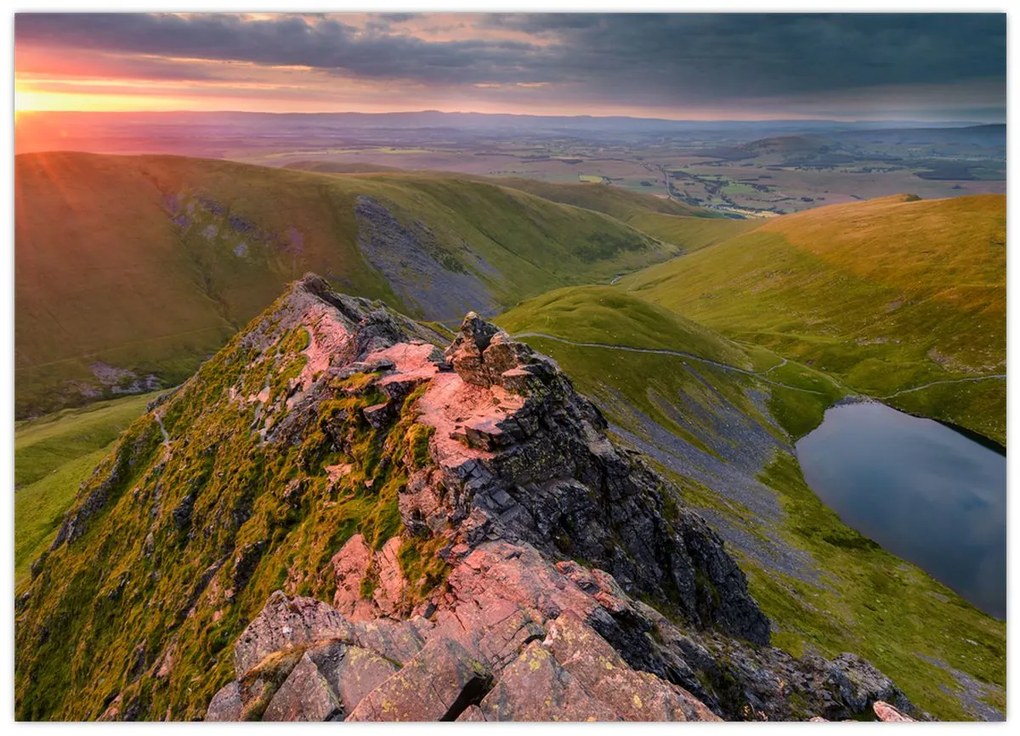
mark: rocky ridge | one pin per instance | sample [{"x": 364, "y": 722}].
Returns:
[
  {"x": 378, "y": 529},
  {"x": 521, "y": 483}
]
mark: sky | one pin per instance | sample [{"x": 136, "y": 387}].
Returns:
[{"x": 935, "y": 67}]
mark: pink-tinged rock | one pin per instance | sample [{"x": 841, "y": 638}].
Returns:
[
  {"x": 437, "y": 684},
  {"x": 350, "y": 566},
  {"x": 493, "y": 629},
  {"x": 634, "y": 696},
  {"x": 359, "y": 673},
  {"x": 519, "y": 574},
  {"x": 286, "y": 624},
  {"x": 389, "y": 591},
  {"x": 226, "y": 704},
  {"x": 304, "y": 696},
  {"x": 397, "y": 641},
  {"x": 534, "y": 687},
  {"x": 890, "y": 714}
]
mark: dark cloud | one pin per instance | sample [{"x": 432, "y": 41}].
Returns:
[
  {"x": 653, "y": 60},
  {"x": 322, "y": 43}
]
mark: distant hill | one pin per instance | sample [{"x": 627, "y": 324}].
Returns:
[
  {"x": 130, "y": 270},
  {"x": 900, "y": 298},
  {"x": 340, "y": 167},
  {"x": 668, "y": 220}
]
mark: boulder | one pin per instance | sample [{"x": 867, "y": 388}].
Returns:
[
  {"x": 634, "y": 696},
  {"x": 350, "y": 567},
  {"x": 889, "y": 714},
  {"x": 304, "y": 696},
  {"x": 437, "y": 685},
  {"x": 535, "y": 687},
  {"x": 286, "y": 624},
  {"x": 359, "y": 672},
  {"x": 226, "y": 704}
]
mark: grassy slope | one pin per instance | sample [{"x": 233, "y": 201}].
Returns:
[
  {"x": 887, "y": 295},
  {"x": 871, "y": 602},
  {"x": 53, "y": 455},
  {"x": 620, "y": 203},
  {"x": 103, "y": 271},
  {"x": 690, "y": 228}
]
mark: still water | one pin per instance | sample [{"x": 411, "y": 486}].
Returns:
[{"x": 923, "y": 491}]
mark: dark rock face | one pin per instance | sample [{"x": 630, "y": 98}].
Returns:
[{"x": 547, "y": 474}]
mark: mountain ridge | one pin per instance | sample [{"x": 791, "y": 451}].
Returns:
[{"x": 452, "y": 481}]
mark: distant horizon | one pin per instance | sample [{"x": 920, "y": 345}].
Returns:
[{"x": 944, "y": 123}]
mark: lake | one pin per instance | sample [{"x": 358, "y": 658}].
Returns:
[{"x": 923, "y": 491}]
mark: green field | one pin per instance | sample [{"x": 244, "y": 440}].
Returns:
[{"x": 53, "y": 455}]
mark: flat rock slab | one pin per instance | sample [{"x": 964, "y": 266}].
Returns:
[
  {"x": 535, "y": 687},
  {"x": 438, "y": 684},
  {"x": 304, "y": 696}
]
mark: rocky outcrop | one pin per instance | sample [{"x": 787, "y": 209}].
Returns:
[
  {"x": 556, "y": 548},
  {"x": 449, "y": 535}
]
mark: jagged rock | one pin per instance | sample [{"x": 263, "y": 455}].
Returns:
[
  {"x": 389, "y": 592},
  {"x": 397, "y": 641},
  {"x": 437, "y": 685},
  {"x": 856, "y": 684},
  {"x": 889, "y": 714},
  {"x": 286, "y": 624},
  {"x": 304, "y": 696},
  {"x": 350, "y": 567},
  {"x": 535, "y": 687},
  {"x": 227, "y": 704},
  {"x": 358, "y": 673},
  {"x": 634, "y": 696}
]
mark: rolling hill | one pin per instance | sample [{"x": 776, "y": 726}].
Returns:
[
  {"x": 130, "y": 270},
  {"x": 898, "y": 298}
]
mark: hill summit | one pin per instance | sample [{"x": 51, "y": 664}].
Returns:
[{"x": 336, "y": 518}]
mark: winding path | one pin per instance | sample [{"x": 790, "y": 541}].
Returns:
[
  {"x": 744, "y": 371},
  {"x": 674, "y": 353},
  {"x": 995, "y": 377}
]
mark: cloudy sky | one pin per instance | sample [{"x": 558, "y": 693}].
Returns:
[{"x": 899, "y": 66}]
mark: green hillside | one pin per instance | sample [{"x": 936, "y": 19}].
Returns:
[
  {"x": 667, "y": 220},
  {"x": 53, "y": 455},
  {"x": 898, "y": 298},
  {"x": 131, "y": 270},
  {"x": 615, "y": 201},
  {"x": 722, "y": 428}
]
